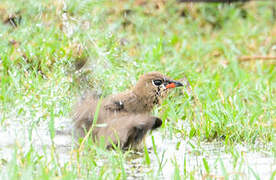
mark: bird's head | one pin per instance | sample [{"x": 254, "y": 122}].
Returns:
[{"x": 154, "y": 84}]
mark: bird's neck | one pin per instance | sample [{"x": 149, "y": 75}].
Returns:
[{"x": 145, "y": 103}]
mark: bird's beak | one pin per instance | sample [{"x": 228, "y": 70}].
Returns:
[{"x": 173, "y": 84}]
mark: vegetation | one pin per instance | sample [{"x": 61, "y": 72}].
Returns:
[{"x": 51, "y": 51}]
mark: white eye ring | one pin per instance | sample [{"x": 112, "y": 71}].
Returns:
[{"x": 156, "y": 82}]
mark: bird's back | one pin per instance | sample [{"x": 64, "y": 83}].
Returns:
[{"x": 111, "y": 107}]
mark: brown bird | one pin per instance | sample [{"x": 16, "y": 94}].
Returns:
[{"x": 124, "y": 118}]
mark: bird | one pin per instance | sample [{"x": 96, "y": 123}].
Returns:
[
  {"x": 128, "y": 131},
  {"x": 123, "y": 119}
]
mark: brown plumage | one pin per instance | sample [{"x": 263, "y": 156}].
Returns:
[
  {"x": 127, "y": 131},
  {"x": 124, "y": 116}
]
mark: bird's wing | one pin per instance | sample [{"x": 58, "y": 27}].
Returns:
[
  {"x": 128, "y": 130},
  {"x": 115, "y": 106},
  {"x": 119, "y": 102}
]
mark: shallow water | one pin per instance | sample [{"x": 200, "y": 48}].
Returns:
[
  {"x": 187, "y": 153},
  {"x": 191, "y": 153}
]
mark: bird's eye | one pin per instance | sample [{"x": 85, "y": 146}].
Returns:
[{"x": 157, "y": 82}]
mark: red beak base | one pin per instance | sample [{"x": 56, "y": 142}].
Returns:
[{"x": 171, "y": 85}]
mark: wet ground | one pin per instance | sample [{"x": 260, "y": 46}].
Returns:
[{"x": 188, "y": 157}]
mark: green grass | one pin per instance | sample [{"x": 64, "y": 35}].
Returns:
[{"x": 233, "y": 102}]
